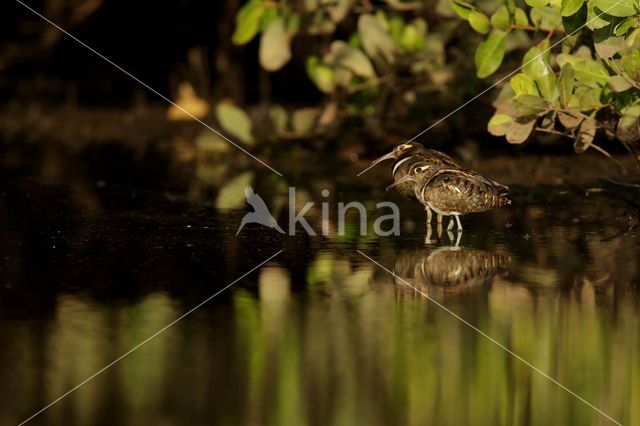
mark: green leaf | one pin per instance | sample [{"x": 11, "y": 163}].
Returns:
[
  {"x": 275, "y": 51},
  {"x": 319, "y": 23},
  {"x": 624, "y": 26},
  {"x": 232, "y": 196},
  {"x": 320, "y": 74},
  {"x": 536, "y": 66},
  {"x": 413, "y": 36},
  {"x": 574, "y": 23},
  {"x": 235, "y": 121},
  {"x": 586, "y": 133},
  {"x": 541, "y": 48},
  {"x": 501, "y": 18},
  {"x": 396, "y": 28},
  {"x": 520, "y": 17},
  {"x": 519, "y": 130},
  {"x": 462, "y": 8},
  {"x": 530, "y": 105},
  {"x": 479, "y": 22},
  {"x": 546, "y": 18},
  {"x": 629, "y": 125},
  {"x": 279, "y": 117},
  {"x": 571, "y": 118},
  {"x": 631, "y": 65},
  {"x": 376, "y": 41},
  {"x": 499, "y": 124},
  {"x": 565, "y": 84},
  {"x": 340, "y": 10},
  {"x": 489, "y": 54},
  {"x": 537, "y": 3},
  {"x": 588, "y": 98},
  {"x": 569, "y": 7},
  {"x": 304, "y": 119},
  {"x": 607, "y": 45},
  {"x": 595, "y": 19},
  {"x": 633, "y": 40},
  {"x": 345, "y": 56},
  {"x": 586, "y": 70},
  {"x": 522, "y": 84},
  {"x": 617, "y": 83},
  {"x": 270, "y": 14},
  {"x": 382, "y": 18},
  {"x": 247, "y": 22},
  {"x": 619, "y": 8}
]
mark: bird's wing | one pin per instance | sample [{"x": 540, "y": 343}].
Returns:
[
  {"x": 461, "y": 191},
  {"x": 248, "y": 192},
  {"x": 467, "y": 174}
]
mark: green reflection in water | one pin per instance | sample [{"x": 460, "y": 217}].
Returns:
[{"x": 349, "y": 344}]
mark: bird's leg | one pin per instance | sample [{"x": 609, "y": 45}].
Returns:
[
  {"x": 459, "y": 223},
  {"x": 450, "y": 226},
  {"x": 429, "y": 217},
  {"x": 459, "y": 237},
  {"x": 439, "y": 225},
  {"x": 450, "y": 235},
  {"x": 428, "y": 239}
]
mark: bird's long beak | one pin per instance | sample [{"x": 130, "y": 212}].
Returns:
[
  {"x": 388, "y": 156},
  {"x": 406, "y": 178}
]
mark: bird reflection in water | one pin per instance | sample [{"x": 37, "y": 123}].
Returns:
[{"x": 449, "y": 269}]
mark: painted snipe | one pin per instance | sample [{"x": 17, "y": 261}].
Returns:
[
  {"x": 441, "y": 185},
  {"x": 406, "y": 157},
  {"x": 456, "y": 191}
]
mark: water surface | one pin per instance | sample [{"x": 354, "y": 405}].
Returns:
[{"x": 90, "y": 266}]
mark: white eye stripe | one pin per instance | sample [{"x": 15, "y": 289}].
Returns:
[{"x": 395, "y": 168}]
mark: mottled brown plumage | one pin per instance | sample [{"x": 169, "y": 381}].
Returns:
[
  {"x": 407, "y": 155},
  {"x": 458, "y": 191},
  {"x": 450, "y": 268},
  {"x": 450, "y": 191}
]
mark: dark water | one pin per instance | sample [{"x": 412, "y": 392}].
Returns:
[{"x": 91, "y": 265}]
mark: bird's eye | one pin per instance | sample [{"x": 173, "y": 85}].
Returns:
[{"x": 404, "y": 147}]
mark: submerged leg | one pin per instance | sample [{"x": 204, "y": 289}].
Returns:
[
  {"x": 450, "y": 235},
  {"x": 459, "y": 237},
  {"x": 459, "y": 223},
  {"x": 450, "y": 226},
  {"x": 428, "y": 239}
]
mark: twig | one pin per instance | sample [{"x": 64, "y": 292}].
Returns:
[
  {"x": 617, "y": 182},
  {"x": 611, "y": 157},
  {"x": 592, "y": 145}
]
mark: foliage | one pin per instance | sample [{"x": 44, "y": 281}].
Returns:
[
  {"x": 587, "y": 79},
  {"x": 580, "y": 60},
  {"x": 390, "y": 58}
]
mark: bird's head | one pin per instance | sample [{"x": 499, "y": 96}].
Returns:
[
  {"x": 413, "y": 176},
  {"x": 401, "y": 151}
]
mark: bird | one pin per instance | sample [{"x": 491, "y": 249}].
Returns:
[
  {"x": 449, "y": 268},
  {"x": 260, "y": 213},
  {"x": 407, "y": 156},
  {"x": 454, "y": 191}
]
